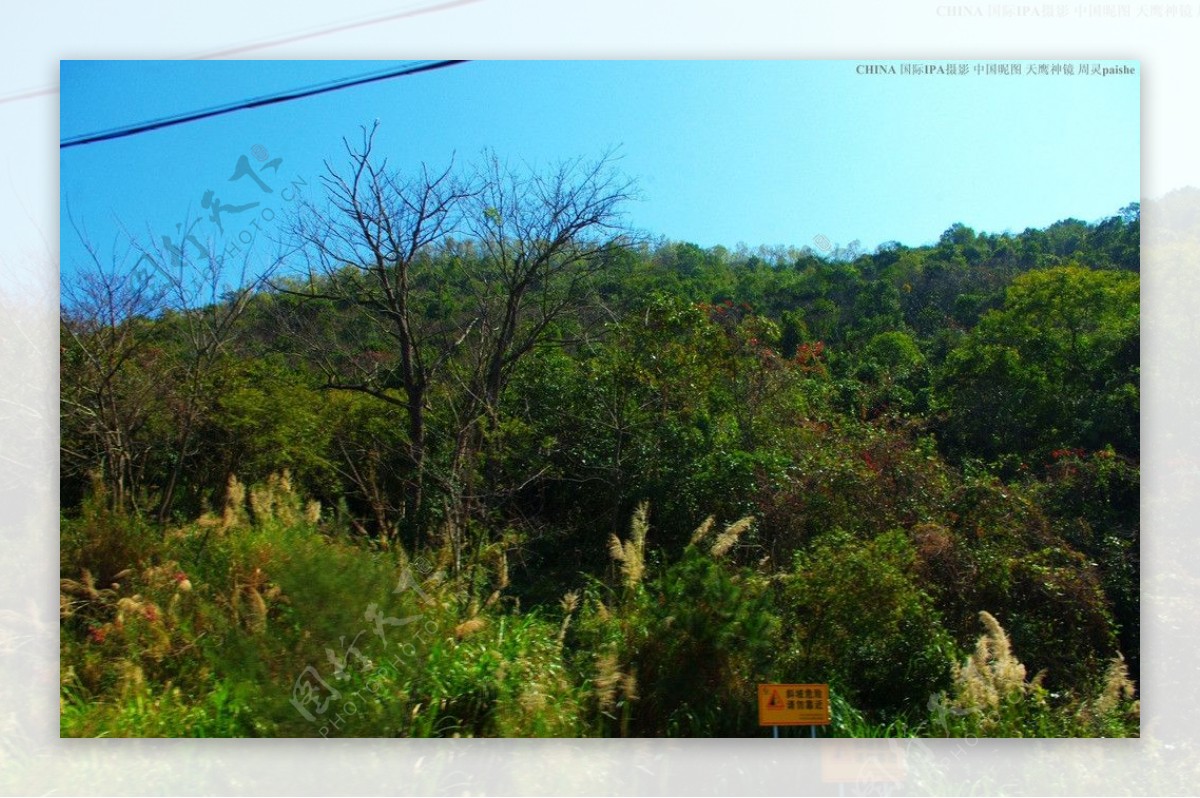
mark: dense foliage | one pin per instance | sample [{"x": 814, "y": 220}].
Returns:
[{"x": 449, "y": 417}]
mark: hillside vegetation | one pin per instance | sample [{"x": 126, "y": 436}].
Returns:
[{"x": 476, "y": 461}]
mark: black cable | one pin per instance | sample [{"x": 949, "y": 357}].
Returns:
[{"x": 258, "y": 102}]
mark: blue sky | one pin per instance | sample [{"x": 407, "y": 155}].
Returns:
[{"x": 755, "y": 152}]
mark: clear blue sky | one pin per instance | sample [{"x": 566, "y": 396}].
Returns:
[{"x": 769, "y": 152}]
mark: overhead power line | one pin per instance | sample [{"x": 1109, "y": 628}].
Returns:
[{"x": 257, "y": 102}]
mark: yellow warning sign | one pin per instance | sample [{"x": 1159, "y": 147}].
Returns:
[{"x": 793, "y": 704}]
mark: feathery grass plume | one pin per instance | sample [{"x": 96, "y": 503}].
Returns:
[
  {"x": 629, "y": 685},
  {"x": 468, "y": 628},
  {"x": 312, "y": 511},
  {"x": 991, "y": 693},
  {"x": 276, "y": 500},
  {"x": 82, "y": 596},
  {"x": 616, "y": 549},
  {"x": 1118, "y": 686},
  {"x": 287, "y": 503},
  {"x": 85, "y": 588},
  {"x": 568, "y": 603},
  {"x": 207, "y": 522},
  {"x": 262, "y": 503},
  {"x": 234, "y": 512},
  {"x": 247, "y": 604},
  {"x": 726, "y": 540},
  {"x": 631, "y": 553},
  {"x": 702, "y": 531},
  {"x": 608, "y": 677},
  {"x": 89, "y": 585},
  {"x": 991, "y": 673},
  {"x": 163, "y": 575},
  {"x": 602, "y": 612},
  {"x": 256, "y": 610},
  {"x": 498, "y": 554},
  {"x": 492, "y": 599}
]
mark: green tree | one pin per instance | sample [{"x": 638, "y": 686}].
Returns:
[
  {"x": 1057, "y": 366},
  {"x": 893, "y": 367}
]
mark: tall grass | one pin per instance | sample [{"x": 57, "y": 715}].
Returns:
[
  {"x": 993, "y": 696},
  {"x": 212, "y": 627},
  {"x": 261, "y": 620}
]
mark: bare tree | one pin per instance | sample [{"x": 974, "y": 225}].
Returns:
[
  {"x": 362, "y": 250},
  {"x": 107, "y": 367},
  {"x": 439, "y": 284},
  {"x": 542, "y": 237}
]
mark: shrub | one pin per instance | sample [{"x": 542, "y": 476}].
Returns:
[
  {"x": 856, "y": 617},
  {"x": 678, "y": 651}
]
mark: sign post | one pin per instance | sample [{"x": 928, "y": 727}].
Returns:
[{"x": 793, "y": 705}]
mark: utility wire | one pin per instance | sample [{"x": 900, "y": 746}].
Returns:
[{"x": 258, "y": 102}]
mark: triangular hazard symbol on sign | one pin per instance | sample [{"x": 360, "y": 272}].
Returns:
[{"x": 775, "y": 703}]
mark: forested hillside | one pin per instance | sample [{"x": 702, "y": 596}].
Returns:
[{"x": 475, "y": 459}]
